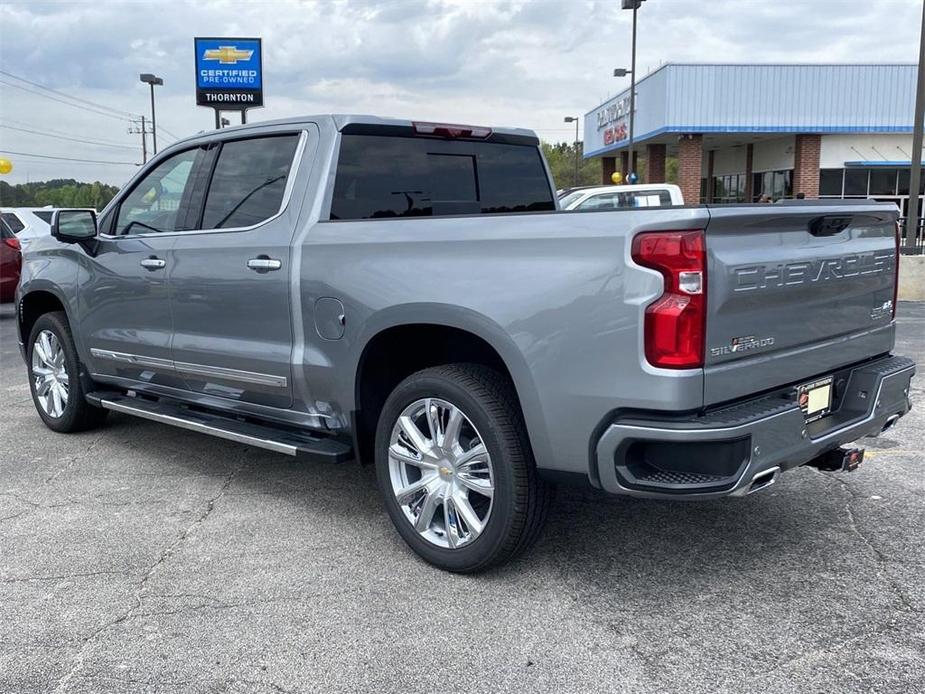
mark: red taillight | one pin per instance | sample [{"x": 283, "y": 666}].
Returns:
[
  {"x": 675, "y": 323},
  {"x": 451, "y": 131},
  {"x": 896, "y": 269},
  {"x": 12, "y": 243}
]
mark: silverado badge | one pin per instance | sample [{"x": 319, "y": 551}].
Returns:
[{"x": 745, "y": 343}]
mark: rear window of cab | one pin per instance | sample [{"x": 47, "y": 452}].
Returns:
[{"x": 386, "y": 176}]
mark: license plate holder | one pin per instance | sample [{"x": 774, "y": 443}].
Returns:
[{"x": 815, "y": 398}]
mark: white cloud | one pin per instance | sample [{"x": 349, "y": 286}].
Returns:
[{"x": 525, "y": 63}]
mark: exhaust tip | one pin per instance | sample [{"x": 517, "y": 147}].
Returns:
[
  {"x": 763, "y": 479},
  {"x": 891, "y": 420}
]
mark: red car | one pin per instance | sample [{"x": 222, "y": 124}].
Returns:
[{"x": 10, "y": 263}]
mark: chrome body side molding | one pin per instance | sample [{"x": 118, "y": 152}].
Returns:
[{"x": 237, "y": 375}]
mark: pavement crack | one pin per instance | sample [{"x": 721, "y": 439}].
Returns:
[
  {"x": 881, "y": 558},
  {"x": 142, "y": 583},
  {"x": 181, "y": 538},
  {"x": 74, "y": 458},
  {"x": 883, "y": 628}
]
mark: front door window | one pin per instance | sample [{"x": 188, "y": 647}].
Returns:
[{"x": 154, "y": 205}]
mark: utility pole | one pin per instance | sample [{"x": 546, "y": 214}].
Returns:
[
  {"x": 915, "y": 165},
  {"x": 144, "y": 143},
  {"x": 135, "y": 129}
]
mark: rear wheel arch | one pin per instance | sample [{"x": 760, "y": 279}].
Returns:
[{"x": 397, "y": 351}]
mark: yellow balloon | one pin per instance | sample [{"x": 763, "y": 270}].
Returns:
[
  {"x": 616, "y": 177},
  {"x": 5, "y": 166}
]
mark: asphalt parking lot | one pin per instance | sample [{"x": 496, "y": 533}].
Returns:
[{"x": 140, "y": 558}]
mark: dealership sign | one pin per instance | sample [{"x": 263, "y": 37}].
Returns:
[
  {"x": 611, "y": 119},
  {"x": 229, "y": 73}
]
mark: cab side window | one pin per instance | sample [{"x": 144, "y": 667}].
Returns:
[
  {"x": 249, "y": 181},
  {"x": 154, "y": 205}
]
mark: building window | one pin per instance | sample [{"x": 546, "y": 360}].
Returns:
[
  {"x": 729, "y": 188},
  {"x": 830, "y": 182},
  {"x": 856, "y": 182},
  {"x": 883, "y": 181},
  {"x": 902, "y": 187},
  {"x": 773, "y": 184}
]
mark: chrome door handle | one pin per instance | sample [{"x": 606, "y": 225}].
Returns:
[
  {"x": 153, "y": 263},
  {"x": 264, "y": 264}
]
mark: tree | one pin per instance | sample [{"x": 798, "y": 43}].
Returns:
[
  {"x": 64, "y": 192},
  {"x": 561, "y": 159}
]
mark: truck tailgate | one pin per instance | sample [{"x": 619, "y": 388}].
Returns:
[{"x": 795, "y": 291}]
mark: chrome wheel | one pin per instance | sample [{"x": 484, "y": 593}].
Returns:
[
  {"x": 49, "y": 374},
  {"x": 441, "y": 473}
]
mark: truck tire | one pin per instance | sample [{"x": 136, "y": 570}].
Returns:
[
  {"x": 54, "y": 377},
  {"x": 456, "y": 470}
]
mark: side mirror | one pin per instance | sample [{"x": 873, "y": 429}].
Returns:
[{"x": 73, "y": 226}]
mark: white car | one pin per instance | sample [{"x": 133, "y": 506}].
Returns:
[
  {"x": 28, "y": 223},
  {"x": 622, "y": 197}
]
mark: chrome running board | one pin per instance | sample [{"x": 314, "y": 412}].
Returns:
[{"x": 280, "y": 440}]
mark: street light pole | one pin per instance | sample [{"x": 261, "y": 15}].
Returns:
[
  {"x": 152, "y": 80},
  {"x": 634, "y": 6},
  {"x": 915, "y": 165},
  {"x": 574, "y": 119}
]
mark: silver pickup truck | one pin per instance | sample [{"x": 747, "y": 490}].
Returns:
[{"x": 408, "y": 295}]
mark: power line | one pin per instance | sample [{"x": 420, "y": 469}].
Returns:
[
  {"x": 71, "y": 139},
  {"x": 62, "y": 101},
  {"x": 94, "y": 107},
  {"x": 68, "y": 96},
  {"x": 165, "y": 130},
  {"x": 24, "y": 124},
  {"x": 82, "y": 161}
]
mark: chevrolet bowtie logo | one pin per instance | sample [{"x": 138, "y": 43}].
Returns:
[{"x": 226, "y": 55}]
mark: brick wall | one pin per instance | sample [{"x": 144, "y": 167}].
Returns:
[
  {"x": 806, "y": 152},
  {"x": 608, "y": 166},
  {"x": 690, "y": 163},
  {"x": 655, "y": 163}
]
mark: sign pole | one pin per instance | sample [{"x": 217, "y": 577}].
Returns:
[
  {"x": 243, "y": 116},
  {"x": 218, "y": 117}
]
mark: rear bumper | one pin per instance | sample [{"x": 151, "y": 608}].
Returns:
[{"x": 742, "y": 447}]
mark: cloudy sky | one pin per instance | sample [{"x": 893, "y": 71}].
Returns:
[{"x": 519, "y": 62}]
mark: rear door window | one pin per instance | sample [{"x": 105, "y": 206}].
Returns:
[
  {"x": 380, "y": 177},
  {"x": 249, "y": 181},
  {"x": 13, "y": 222}
]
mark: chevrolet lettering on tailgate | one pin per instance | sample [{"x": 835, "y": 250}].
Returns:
[{"x": 751, "y": 277}]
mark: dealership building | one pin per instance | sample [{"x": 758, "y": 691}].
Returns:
[{"x": 741, "y": 132}]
